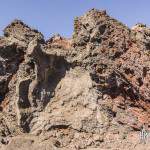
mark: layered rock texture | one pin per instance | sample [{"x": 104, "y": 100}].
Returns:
[{"x": 90, "y": 92}]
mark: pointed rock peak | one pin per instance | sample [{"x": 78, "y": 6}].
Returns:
[
  {"x": 57, "y": 41},
  {"x": 92, "y": 17},
  {"x": 139, "y": 26},
  {"x": 16, "y": 22},
  {"x": 56, "y": 37},
  {"x": 19, "y": 30},
  {"x": 94, "y": 12},
  {"x": 95, "y": 27}
]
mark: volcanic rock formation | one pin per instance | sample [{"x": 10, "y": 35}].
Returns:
[{"x": 89, "y": 92}]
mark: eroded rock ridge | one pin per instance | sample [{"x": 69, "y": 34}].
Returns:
[{"x": 90, "y": 92}]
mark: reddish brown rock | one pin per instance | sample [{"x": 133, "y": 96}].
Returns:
[{"x": 88, "y": 92}]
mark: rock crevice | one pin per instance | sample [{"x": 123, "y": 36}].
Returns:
[{"x": 77, "y": 93}]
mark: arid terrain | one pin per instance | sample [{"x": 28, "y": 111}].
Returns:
[{"x": 89, "y": 92}]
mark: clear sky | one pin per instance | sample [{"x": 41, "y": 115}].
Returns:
[{"x": 56, "y": 16}]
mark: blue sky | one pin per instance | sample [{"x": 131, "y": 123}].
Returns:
[{"x": 56, "y": 16}]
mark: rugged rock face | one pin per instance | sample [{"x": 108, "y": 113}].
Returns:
[{"x": 89, "y": 92}]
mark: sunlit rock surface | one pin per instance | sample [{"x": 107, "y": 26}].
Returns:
[{"x": 90, "y": 92}]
